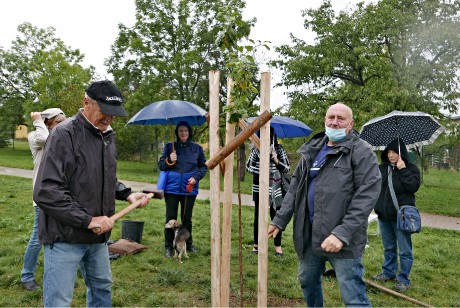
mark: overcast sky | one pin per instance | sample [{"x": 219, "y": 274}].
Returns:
[{"x": 91, "y": 25}]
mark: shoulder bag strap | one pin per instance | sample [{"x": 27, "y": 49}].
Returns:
[{"x": 390, "y": 186}]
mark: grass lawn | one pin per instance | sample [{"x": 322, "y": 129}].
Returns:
[{"x": 148, "y": 279}]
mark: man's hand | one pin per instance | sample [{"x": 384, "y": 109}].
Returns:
[
  {"x": 139, "y": 196},
  {"x": 173, "y": 157},
  {"x": 103, "y": 223},
  {"x": 332, "y": 244},
  {"x": 35, "y": 116},
  {"x": 273, "y": 231}
]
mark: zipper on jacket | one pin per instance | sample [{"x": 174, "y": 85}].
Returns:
[{"x": 338, "y": 159}]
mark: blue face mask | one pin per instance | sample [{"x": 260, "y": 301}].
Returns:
[{"x": 336, "y": 134}]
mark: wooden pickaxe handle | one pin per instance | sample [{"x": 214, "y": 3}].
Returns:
[{"x": 124, "y": 211}]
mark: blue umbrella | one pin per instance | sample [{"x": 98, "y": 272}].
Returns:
[
  {"x": 169, "y": 112},
  {"x": 286, "y": 127}
]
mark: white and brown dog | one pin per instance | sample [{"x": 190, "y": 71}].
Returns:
[{"x": 181, "y": 235}]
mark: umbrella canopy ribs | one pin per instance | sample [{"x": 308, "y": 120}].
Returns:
[{"x": 415, "y": 129}]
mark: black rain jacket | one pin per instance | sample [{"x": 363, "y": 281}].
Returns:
[
  {"x": 406, "y": 182},
  {"x": 76, "y": 181}
]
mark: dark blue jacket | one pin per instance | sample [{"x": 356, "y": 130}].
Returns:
[{"x": 191, "y": 162}]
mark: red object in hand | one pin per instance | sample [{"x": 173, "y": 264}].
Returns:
[{"x": 189, "y": 188}]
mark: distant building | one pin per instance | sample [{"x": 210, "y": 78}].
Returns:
[{"x": 21, "y": 132}]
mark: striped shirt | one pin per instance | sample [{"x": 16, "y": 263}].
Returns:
[{"x": 275, "y": 171}]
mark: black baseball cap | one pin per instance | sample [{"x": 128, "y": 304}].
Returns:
[{"x": 108, "y": 97}]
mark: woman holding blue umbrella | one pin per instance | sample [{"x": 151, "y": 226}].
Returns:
[{"x": 186, "y": 165}]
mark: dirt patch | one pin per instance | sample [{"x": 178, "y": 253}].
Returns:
[
  {"x": 440, "y": 222},
  {"x": 271, "y": 302}
]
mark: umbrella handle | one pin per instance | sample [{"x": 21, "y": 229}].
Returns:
[{"x": 174, "y": 151}]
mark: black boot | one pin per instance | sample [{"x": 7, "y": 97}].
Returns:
[{"x": 168, "y": 253}]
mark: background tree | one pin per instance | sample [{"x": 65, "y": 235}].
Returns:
[
  {"x": 39, "y": 71},
  {"x": 168, "y": 54},
  {"x": 242, "y": 69},
  {"x": 384, "y": 56}
]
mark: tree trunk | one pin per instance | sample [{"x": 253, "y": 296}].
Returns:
[{"x": 242, "y": 161}]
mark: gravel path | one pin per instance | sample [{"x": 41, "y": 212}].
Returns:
[{"x": 428, "y": 220}]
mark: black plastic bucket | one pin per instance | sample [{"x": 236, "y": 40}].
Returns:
[{"x": 132, "y": 230}]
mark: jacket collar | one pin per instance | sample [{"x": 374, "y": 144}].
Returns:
[
  {"x": 318, "y": 140},
  {"x": 82, "y": 119}
]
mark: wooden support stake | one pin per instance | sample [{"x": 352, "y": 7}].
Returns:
[
  {"x": 240, "y": 138},
  {"x": 213, "y": 123},
  {"x": 263, "y": 192},
  {"x": 227, "y": 210}
]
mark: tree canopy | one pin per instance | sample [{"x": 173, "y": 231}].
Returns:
[
  {"x": 384, "y": 56},
  {"x": 378, "y": 57},
  {"x": 39, "y": 71},
  {"x": 169, "y": 52}
]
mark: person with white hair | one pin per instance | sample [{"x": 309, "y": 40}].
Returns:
[{"x": 43, "y": 123}]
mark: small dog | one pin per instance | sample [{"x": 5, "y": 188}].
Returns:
[{"x": 181, "y": 235}]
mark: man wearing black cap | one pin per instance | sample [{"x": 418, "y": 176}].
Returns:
[{"x": 76, "y": 188}]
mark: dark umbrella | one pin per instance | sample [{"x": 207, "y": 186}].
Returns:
[
  {"x": 169, "y": 112},
  {"x": 286, "y": 127},
  {"x": 414, "y": 128}
]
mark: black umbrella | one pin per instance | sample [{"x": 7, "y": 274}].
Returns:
[{"x": 414, "y": 128}]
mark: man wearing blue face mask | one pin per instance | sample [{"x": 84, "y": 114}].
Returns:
[{"x": 332, "y": 192}]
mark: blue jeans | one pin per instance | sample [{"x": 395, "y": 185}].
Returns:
[
  {"x": 394, "y": 240},
  {"x": 32, "y": 252},
  {"x": 62, "y": 261},
  {"x": 349, "y": 274}
]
